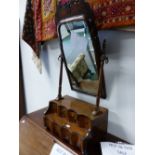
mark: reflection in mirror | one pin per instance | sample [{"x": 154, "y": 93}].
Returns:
[{"x": 79, "y": 56}]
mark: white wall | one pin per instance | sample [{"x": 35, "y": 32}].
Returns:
[{"x": 119, "y": 75}]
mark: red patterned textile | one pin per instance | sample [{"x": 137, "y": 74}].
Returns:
[
  {"x": 113, "y": 13},
  {"x": 29, "y": 29},
  {"x": 40, "y": 18},
  {"x": 37, "y": 19},
  {"x": 39, "y": 24},
  {"x": 48, "y": 19}
]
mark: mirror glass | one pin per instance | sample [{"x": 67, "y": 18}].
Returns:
[{"x": 79, "y": 56}]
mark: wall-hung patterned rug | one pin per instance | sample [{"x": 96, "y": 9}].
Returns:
[{"x": 39, "y": 24}]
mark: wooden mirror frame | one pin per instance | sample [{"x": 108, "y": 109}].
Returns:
[{"x": 74, "y": 11}]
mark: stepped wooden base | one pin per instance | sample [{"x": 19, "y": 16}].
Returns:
[
  {"x": 72, "y": 121},
  {"x": 34, "y": 139}
]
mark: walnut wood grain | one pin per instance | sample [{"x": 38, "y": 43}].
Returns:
[
  {"x": 34, "y": 139},
  {"x": 86, "y": 124}
]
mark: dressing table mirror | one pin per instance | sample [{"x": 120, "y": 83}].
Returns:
[
  {"x": 70, "y": 120},
  {"x": 79, "y": 55},
  {"x": 80, "y": 47}
]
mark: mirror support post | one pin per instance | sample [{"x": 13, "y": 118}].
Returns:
[
  {"x": 104, "y": 59},
  {"x": 100, "y": 84},
  {"x": 99, "y": 87},
  {"x": 59, "y": 97}
]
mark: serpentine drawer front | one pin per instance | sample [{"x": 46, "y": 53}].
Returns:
[
  {"x": 72, "y": 121},
  {"x": 35, "y": 139}
]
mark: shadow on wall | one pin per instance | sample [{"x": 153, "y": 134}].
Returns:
[
  {"x": 114, "y": 40},
  {"x": 117, "y": 129},
  {"x": 114, "y": 51},
  {"x": 45, "y": 58},
  {"x": 50, "y": 46}
]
